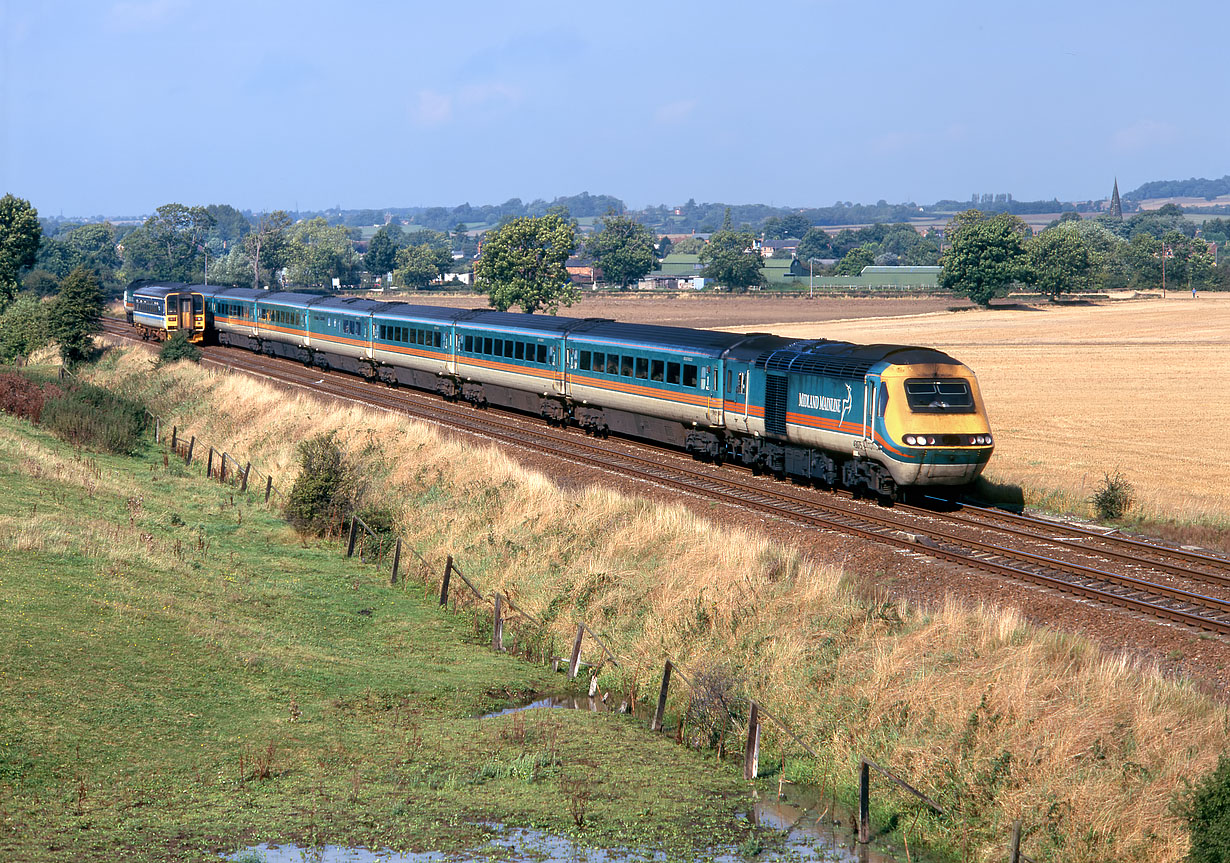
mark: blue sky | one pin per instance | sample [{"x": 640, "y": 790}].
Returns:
[{"x": 117, "y": 107}]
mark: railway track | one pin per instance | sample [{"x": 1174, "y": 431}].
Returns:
[{"x": 1181, "y": 586}]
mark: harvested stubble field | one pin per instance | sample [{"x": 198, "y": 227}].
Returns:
[{"x": 993, "y": 717}]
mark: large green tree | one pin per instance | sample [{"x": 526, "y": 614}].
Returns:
[
  {"x": 382, "y": 250},
  {"x": 986, "y": 256},
  {"x": 76, "y": 315},
  {"x": 267, "y": 244},
  {"x": 1060, "y": 261},
  {"x": 420, "y": 264},
  {"x": 523, "y": 264},
  {"x": 730, "y": 260},
  {"x": 178, "y": 232},
  {"x": 19, "y": 238},
  {"x": 321, "y": 252},
  {"x": 623, "y": 248}
]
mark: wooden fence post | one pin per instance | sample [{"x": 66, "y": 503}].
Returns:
[
  {"x": 268, "y": 487},
  {"x": 448, "y": 574},
  {"x": 396, "y": 555},
  {"x": 157, "y": 435},
  {"x": 174, "y": 436},
  {"x": 1014, "y": 851},
  {"x": 222, "y": 468},
  {"x": 864, "y": 802},
  {"x": 751, "y": 755},
  {"x": 191, "y": 447},
  {"x": 247, "y": 470},
  {"x": 656, "y": 724},
  {"x": 497, "y": 630},
  {"x": 354, "y": 534},
  {"x": 209, "y": 465},
  {"x": 575, "y": 659}
]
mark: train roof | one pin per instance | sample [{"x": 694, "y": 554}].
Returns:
[
  {"x": 843, "y": 359},
  {"x": 704, "y": 342},
  {"x": 233, "y": 293},
  {"x": 159, "y": 290}
]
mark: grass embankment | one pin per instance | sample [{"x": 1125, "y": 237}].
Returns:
[
  {"x": 995, "y": 719},
  {"x": 181, "y": 675}
]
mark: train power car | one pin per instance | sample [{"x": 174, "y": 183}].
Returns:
[
  {"x": 161, "y": 311},
  {"x": 878, "y": 419}
]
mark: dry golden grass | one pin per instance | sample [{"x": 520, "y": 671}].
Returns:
[
  {"x": 997, "y": 719},
  {"x": 1076, "y": 392}
]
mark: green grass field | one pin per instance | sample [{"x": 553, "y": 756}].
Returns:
[{"x": 183, "y": 677}]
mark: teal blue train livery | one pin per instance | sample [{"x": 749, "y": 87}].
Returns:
[{"x": 882, "y": 420}]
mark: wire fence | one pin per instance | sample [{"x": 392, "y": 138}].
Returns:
[{"x": 538, "y": 644}]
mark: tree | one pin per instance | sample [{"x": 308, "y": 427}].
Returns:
[
  {"x": 76, "y": 315},
  {"x": 320, "y": 252},
  {"x": 729, "y": 259},
  {"x": 1060, "y": 260},
  {"x": 664, "y": 246},
  {"x": 986, "y": 256},
  {"x": 20, "y": 233},
  {"x": 794, "y": 225},
  {"x": 816, "y": 243},
  {"x": 23, "y": 327},
  {"x": 523, "y": 263},
  {"x": 419, "y": 265},
  {"x": 1207, "y": 809},
  {"x": 178, "y": 232},
  {"x": 267, "y": 239},
  {"x": 854, "y": 261},
  {"x": 688, "y": 246},
  {"x": 623, "y": 248},
  {"x": 229, "y": 225},
  {"x": 382, "y": 251}
]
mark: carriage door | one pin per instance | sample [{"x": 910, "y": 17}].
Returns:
[
  {"x": 870, "y": 392},
  {"x": 711, "y": 385},
  {"x": 185, "y": 313}
]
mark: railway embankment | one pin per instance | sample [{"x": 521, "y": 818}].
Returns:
[{"x": 994, "y": 719}]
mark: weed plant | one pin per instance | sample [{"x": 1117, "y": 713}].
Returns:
[
  {"x": 179, "y": 348},
  {"x": 1113, "y": 498},
  {"x": 95, "y": 418}
]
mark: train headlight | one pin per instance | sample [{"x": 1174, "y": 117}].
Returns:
[{"x": 910, "y": 439}]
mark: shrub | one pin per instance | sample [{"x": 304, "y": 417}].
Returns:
[
  {"x": 1208, "y": 816},
  {"x": 179, "y": 348},
  {"x": 1113, "y": 498},
  {"x": 96, "y": 418},
  {"x": 20, "y": 396},
  {"x": 325, "y": 489},
  {"x": 23, "y": 327}
]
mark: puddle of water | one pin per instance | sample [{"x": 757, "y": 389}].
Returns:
[
  {"x": 594, "y": 704},
  {"x": 807, "y": 841}
]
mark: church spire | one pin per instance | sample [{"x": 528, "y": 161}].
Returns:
[{"x": 1116, "y": 209}]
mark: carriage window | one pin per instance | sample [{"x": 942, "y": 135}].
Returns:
[
  {"x": 689, "y": 376},
  {"x": 436, "y": 339},
  {"x": 469, "y": 344},
  {"x": 642, "y": 368},
  {"x": 939, "y": 396},
  {"x": 584, "y": 358},
  {"x": 541, "y": 352},
  {"x": 486, "y": 346},
  {"x": 625, "y": 366},
  {"x": 672, "y": 373},
  {"x": 420, "y": 337},
  {"x": 883, "y": 403},
  {"x": 520, "y": 350},
  {"x": 656, "y": 369},
  {"x": 599, "y": 361}
]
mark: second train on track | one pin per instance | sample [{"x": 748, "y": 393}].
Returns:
[{"x": 879, "y": 419}]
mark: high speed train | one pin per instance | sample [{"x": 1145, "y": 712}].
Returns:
[{"x": 882, "y": 420}]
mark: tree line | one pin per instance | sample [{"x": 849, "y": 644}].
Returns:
[{"x": 990, "y": 252}]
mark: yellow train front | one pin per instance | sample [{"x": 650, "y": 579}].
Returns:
[
  {"x": 881, "y": 418},
  {"x": 159, "y": 311}
]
